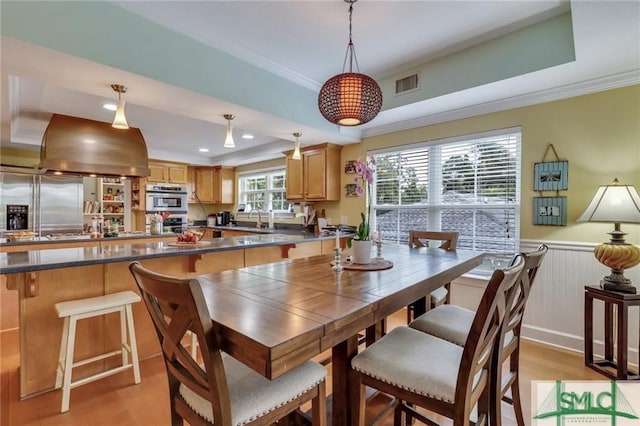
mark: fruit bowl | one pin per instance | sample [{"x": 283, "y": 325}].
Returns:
[{"x": 190, "y": 237}]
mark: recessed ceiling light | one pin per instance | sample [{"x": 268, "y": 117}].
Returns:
[
  {"x": 247, "y": 136},
  {"x": 203, "y": 149},
  {"x": 110, "y": 107}
]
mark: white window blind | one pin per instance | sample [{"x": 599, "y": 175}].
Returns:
[
  {"x": 264, "y": 191},
  {"x": 469, "y": 185}
]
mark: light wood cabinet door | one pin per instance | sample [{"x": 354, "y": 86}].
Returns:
[
  {"x": 157, "y": 173},
  {"x": 167, "y": 172},
  {"x": 223, "y": 185},
  {"x": 204, "y": 184},
  {"x": 295, "y": 179},
  {"x": 316, "y": 177},
  {"x": 177, "y": 174},
  {"x": 191, "y": 185},
  {"x": 215, "y": 185}
]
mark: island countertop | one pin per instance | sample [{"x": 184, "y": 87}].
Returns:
[{"x": 42, "y": 259}]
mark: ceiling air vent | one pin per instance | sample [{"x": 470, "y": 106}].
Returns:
[{"x": 406, "y": 84}]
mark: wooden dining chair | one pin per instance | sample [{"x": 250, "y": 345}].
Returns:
[
  {"x": 425, "y": 371},
  {"x": 448, "y": 241},
  {"x": 221, "y": 391},
  {"x": 453, "y": 323}
]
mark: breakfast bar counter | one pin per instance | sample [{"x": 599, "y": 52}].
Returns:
[
  {"x": 45, "y": 277},
  {"x": 114, "y": 250}
]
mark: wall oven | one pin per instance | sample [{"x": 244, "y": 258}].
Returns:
[{"x": 166, "y": 198}]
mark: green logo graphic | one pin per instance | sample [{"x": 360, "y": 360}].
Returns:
[{"x": 563, "y": 404}]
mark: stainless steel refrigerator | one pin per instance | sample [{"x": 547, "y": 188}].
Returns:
[{"x": 41, "y": 203}]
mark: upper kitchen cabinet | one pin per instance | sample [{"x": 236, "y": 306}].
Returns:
[
  {"x": 191, "y": 185},
  {"x": 316, "y": 176},
  {"x": 167, "y": 172},
  {"x": 215, "y": 185}
]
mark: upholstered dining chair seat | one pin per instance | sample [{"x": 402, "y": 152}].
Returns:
[
  {"x": 253, "y": 395},
  {"x": 439, "y": 296},
  {"x": 451, "y": 323},
  {"x": 414, "y": 361}
]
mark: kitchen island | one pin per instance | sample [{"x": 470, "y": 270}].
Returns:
[{"x": 46, "y": 276}]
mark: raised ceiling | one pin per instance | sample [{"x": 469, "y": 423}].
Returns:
[{"x": 187, "y": 63}]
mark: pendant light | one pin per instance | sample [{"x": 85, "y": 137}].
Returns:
[
  {"x": 120, "y": 121},
  {"x": 351, "y": 98},
  {"x": 228, "y": 141},
  {"x": 296, "y": 151}
]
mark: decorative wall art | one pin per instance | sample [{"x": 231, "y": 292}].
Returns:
[
  {"x": 350, "y": 166},
  {"x": 550, "y": 211},
  {"x": 551, "y": 176},
  {"x": 350, "y": 190}
]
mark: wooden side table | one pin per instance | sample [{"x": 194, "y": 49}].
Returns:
[{"x": 609, "y": 364}]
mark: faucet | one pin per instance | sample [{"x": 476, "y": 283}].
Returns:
[{"x": 259, "y": 222}]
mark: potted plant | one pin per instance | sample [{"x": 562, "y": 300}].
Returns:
[{"x": 361, "y": 242}]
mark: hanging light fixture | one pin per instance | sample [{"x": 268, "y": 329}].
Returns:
[
  {"x": 228, "y": 141},
  {"x": 351, "y": 98},
  {"x": 296, "y": 151},
  {"x": 120, "y": 121}
]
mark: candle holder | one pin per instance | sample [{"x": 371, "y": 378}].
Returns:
[
  {"x": 337, "y": 259},
  {"x": 379, "y": 248}
]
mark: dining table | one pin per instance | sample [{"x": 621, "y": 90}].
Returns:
[{"x": 276, "y": 316}]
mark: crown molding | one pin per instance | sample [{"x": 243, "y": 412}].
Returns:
[{"x": 557, "y": 93}]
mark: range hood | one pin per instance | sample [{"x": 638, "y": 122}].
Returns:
[{"x": 87, "y": 147}]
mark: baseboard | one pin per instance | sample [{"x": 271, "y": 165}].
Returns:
[{"x": 569, "y": 342}]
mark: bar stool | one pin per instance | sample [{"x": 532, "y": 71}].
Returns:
[{"x": 74, "y": 310}]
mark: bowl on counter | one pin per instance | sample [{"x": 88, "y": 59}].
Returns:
[{"x": 19, "y": 236}]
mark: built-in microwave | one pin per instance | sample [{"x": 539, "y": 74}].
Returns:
[{"x": 166, "y": 197}]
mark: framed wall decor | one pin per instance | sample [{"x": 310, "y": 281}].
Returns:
[
  {"x": 551, "y": 176},
  {"x": 350, "y": 190},
  {"x": 350, "y": 166},
  {"x": 550, "y": 211}
]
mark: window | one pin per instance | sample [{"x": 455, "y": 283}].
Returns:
[
  {"x": 469, "y": 185},
  {"x": 264, "y": 191}
]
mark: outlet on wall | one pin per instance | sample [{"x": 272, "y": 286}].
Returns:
[{"x": 343, "y": 220}]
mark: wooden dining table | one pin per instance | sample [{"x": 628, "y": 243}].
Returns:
[{"x": 276, "y": 316}]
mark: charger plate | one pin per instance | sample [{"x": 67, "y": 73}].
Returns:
[{"x": 375, "y": 265}]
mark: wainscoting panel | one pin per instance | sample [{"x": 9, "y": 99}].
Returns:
[{"x": 555, "y": 310}]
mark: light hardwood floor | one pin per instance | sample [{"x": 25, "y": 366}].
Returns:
[{"x": 117, "y": 401}]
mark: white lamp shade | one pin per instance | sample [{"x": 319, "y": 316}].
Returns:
[
  {"x": 120, "y": 121},
  {"x": 613, "y": 203},
  {"x": 228, "y": 141},
  {"x": 296, "y": 152}
]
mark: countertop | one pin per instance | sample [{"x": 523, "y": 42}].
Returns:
[
  {"x": 84, "y": 237},
  {"x": 36, "y": 260}
]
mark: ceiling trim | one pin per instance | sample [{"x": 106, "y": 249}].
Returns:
[{"x": 568, "y": 91}]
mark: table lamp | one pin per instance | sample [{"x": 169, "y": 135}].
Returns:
[{"x": 618, "y": 204}]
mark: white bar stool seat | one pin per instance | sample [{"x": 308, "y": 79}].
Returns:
[{"x": 74, "y": 310}]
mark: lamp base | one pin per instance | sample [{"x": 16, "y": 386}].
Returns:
[{"x": 617, "y": 282}]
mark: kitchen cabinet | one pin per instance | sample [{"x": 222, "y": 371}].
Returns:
[
  {"x": 191, "y": 185},
  {"x": 316, "y": 176},
  {"x": 167, "y": 172},
  {"x": 215, "y": 185}
]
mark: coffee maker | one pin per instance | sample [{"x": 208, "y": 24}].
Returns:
[{"x": 225, "y": 218}]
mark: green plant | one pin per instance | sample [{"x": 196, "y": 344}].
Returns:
[{"x": 364, "y": 181}]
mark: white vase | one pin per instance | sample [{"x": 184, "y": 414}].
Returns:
[{"x": 361, "y": 251}]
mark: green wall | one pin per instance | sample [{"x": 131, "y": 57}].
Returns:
[{"x": 599, "y": 134}]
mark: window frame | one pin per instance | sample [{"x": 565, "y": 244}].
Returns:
[
  {"x": 268, "y": 174},
  {"x": 435, "y": 205}
]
